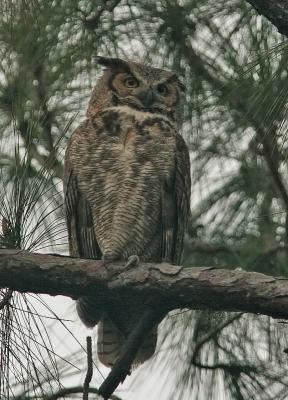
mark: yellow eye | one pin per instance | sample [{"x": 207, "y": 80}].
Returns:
[
  {"x": 162, "y": 89},
  {"x": 131, "y": 82}
]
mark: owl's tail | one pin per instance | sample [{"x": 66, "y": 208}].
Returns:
[
  {"x": 89, "y": 311},
  {"x": 111, "y": 340}
]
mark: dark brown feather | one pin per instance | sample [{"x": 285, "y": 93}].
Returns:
[
  {"x": 82, "y": 239},
  {"x": 182, "y": 188},
  {"x": 176, "y": 206}
]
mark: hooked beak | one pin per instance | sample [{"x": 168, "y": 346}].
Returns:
[{"x": 147, "y": 97}]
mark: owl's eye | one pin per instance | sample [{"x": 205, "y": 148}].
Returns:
[
  {"x": 131, "y": 82},
  {"x": 162, "y": 89}
]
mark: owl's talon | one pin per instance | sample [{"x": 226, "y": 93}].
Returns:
[
  {"x": 133, "y": 261},
  {"x": 108, "y": 258}
]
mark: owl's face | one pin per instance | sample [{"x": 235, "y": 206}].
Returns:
[{"x": 142, "y": 87}]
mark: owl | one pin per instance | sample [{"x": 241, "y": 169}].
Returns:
[{"x": 127, "y": 189}]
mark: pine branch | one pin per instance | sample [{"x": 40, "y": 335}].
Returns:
[
  {"x": 274, "y": 10},
  {"x": 89, "y": 372},
  {"x": 6, "y": 299},
  {"x": 46, "y": 120},
  {"x": 50, "y": 161},
  {"x": 171, "y": 286},
  {"x": 67, "y": 391},
  {"x": 92, "y": 22},
  {"x": 210, "y": 335},
  {"x": 271, "y": 152}
]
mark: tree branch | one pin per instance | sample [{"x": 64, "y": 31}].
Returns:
[
  {"x": 67, "y": 391},
  {"x": 46, "y": 120},
  {"x": 89, "y": 372},
  {"x": 6, "y": 299},
  {"x": 50, "y": 161},
  {"x": 274, "y": 10},
  {"x": 172, "y": 287},
  {"x": 210, "y": 335},
  {"x": 271, "y": 152},
  {"x": 92, "y": 22}
]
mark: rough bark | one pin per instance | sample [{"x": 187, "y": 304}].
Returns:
[
  {"x": 166, "y": 286},
  {"x": 274, "y": 10}
]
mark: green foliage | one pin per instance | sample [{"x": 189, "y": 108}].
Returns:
[{"x": 234, "y": 66}]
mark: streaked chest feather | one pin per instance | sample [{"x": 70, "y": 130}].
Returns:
[
  {"x": 122, "y": 133},
  {"x": 126, "y": 146}
]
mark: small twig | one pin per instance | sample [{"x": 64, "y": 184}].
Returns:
[
  {"x": 89, "y": 373},
  {"x": 210, "y": 336},
  {"x": 6, "y": 298},
  {"x": 122, "y": 366}
]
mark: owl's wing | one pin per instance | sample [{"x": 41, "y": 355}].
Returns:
[
  {"x": 176, "y": 206},
  {"x": 81, "y": 235}
]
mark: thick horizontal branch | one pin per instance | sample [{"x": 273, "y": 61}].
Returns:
[
  {"x": 171, "y": 286},
  {"x": 275, "y": 10}
]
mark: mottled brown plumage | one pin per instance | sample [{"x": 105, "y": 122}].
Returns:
[{"x": 127, "y": 187}]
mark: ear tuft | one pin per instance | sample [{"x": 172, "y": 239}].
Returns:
[
  {"x": 112, "y": 63},
  {"x": 174, "y": 78},
  {"x": 181, "y": 85}
]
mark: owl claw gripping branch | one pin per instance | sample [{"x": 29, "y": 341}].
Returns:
[{"x": 127, "y": 188}]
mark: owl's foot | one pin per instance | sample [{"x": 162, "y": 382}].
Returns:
[
  {"x": 133, "y": 261},
  {"x": 109, "y": 258}
]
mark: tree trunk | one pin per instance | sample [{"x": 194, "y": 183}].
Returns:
[{"x": 275, "y": 10}]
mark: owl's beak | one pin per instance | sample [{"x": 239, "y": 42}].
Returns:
[{"x": 147, "y": 97}]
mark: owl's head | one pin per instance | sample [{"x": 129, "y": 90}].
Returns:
[{"x": 138, "y": 86}]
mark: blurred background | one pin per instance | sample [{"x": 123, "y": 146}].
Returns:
[{"x": 233, "y": 63}]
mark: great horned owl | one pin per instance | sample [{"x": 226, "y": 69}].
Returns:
[{"x": 127, "y": 187}]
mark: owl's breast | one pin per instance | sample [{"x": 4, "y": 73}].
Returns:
[
  {"x": 126, "y": 162},
  {"x": 137, "y": 137}
]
